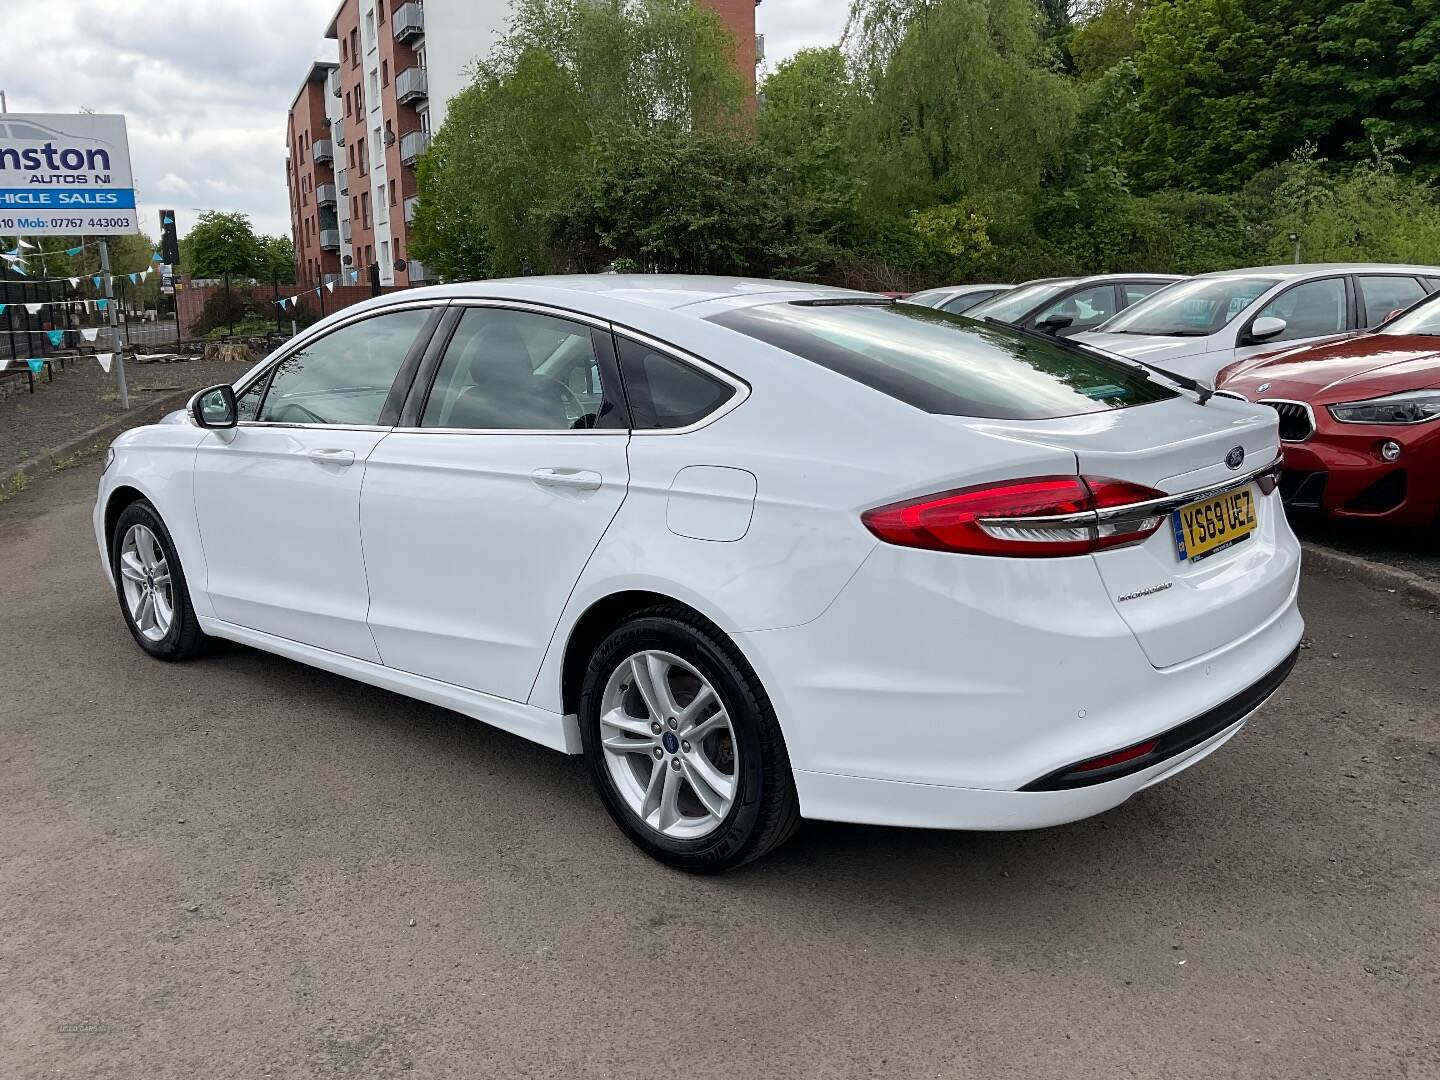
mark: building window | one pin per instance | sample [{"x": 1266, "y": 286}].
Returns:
[
  {"x": 344, "y": 53},
  {"x": 370, "y": 28},
  {"x": 355, "y": 47},
  {"x": 347, "y": 102},
  {"x": 354, "y": 207},
  {"x": 374, "y": 86},
  {"x": 384, "y": 73},
  {"x": 385, "y": 254},
  {"x": 364, "y": 160},
  {"x": 380, "y": 10},
  {"x": 365, "y": 209},
  {"x": 392, "y": 192},
  {"x": 379, "y": 148}
]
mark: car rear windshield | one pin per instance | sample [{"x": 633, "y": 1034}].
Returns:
[
  {"x": 1195, "y": 308},
  {"x": 948, "y": 364}
]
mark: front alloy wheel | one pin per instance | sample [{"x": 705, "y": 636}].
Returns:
[
  {"x": 150, "y": 583},
  {"x": 145, "y": 582}
]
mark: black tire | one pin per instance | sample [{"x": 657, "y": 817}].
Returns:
[
  {"x": 766, "y": 809},
  {"x": 184, "y": 638}
]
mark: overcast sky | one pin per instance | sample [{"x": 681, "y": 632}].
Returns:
[{"x": 206, "y": 85}]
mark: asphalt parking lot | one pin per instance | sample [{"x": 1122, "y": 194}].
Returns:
[{"x": 244, "y": 867}]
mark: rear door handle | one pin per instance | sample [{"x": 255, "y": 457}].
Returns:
[
  {"x": 333, "y": 457},
  {"x": 569, "y": 479}
]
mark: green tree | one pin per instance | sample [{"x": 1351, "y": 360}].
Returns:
[
  {"x": 222, "y": 243},
  {"x": 277, "y": 259},
  {"x": 1110, "y": 35}
]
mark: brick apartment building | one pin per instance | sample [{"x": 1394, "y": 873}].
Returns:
[{"x": 357, "y": 126}]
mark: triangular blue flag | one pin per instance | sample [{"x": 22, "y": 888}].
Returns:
[
  {"x": 75, "y": 250},
  {"x": 57, "y": 337},
  {"x": 155, "y": 258},
  {"x": 95, "y": 280},
  {"x": 134, "y": 279},
  {"x": 2, "y": 309},
  {"x": 36, "y": 366},
  {"x": 167, "y": 220},
  {"x": 317, "y": 290},
  {"x": 102, "y": 303},
  {"x": 19, "y": 269}
]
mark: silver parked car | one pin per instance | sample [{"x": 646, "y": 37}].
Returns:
[
  {"x": 1066, "y": 306},
  {"x": 1211, "y": 321},
  {"x": 957, "y": 299}
]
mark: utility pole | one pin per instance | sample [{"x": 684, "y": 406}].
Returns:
[{"x": 114, "y": 333}]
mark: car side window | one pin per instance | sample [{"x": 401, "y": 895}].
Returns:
[
  {"x": 345, "y": 376},
  {"x": 507, "y": 370},
  {"x": 1088, "y": 307},
  {"x": 1138, "y": 290},
  {"x": 665, "y": 392},
  {"x": 1310, "y": 309},
  {"x": 1383, "y": 293},
  {"x": 247, "y": 405}
]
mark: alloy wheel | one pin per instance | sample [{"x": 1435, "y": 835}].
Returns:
[
  {"x": 145, "y": 578},
  {"x": 669, "y": 746}
]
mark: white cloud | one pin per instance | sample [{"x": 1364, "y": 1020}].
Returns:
[
  {"x": 205, "y": 86},
  {"x": 792, "y": 25}
]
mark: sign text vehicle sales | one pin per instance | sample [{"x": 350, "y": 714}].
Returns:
[{"x": 63, "y": 174}]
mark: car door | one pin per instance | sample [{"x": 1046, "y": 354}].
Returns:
[
  {"x": 1313, "y": 310},
  {"x": 1381, "y": 294},
  {"x": 480, "y": 510},
  {"x": 277, "y": 498}
]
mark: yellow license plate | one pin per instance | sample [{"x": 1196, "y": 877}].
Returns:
[{"x": 1212, "y": 525}]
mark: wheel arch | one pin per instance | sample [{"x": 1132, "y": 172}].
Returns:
[
  {"x": 600, "y": 618},
  {"x": 120, "y": 497}
]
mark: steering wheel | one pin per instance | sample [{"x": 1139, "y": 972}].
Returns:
[
  {"x": 282, "y": 414},
  {"x": 572, "y": 403}
]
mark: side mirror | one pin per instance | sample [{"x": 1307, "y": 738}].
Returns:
[
  {"x": 1053, "y": 324},
  {"x": 1266, "y": 328},
  {"x": 215, "y": 408}
]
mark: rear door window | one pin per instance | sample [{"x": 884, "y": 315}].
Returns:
[
  {"x": 664, "y": 392},
  {"x": 1085, "y": 308},
  {"x": 1384, "y": 293},
  {"x": 948, "y": 364}
]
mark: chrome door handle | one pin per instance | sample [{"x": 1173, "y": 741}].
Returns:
[
  {"x": 333, "y": 457},
  {"x": 570, "y": 479}
]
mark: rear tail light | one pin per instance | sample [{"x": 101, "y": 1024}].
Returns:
[{"x": 1041, "y": 517}]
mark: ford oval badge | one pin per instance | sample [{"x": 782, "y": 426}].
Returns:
[{"x": 1236, "y": 457}]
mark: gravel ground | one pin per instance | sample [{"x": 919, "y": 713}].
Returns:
[
  {"x": 83, "y": 397},
  {"x": 242, "y": 867}
]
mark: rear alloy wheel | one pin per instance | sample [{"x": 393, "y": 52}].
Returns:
[
  {"x": 151, "y": 585},
  {"x": 684, "y": 745}
]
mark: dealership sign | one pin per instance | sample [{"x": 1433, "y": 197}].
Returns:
[{"x": 65, "y": 175}]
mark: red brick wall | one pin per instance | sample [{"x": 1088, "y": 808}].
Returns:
[{"x": 739, "y": 15}]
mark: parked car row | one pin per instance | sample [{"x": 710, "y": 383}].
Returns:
[{"x": 1346, "y": 354}]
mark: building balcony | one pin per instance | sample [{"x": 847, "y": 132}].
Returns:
[
  {"x": 345, "y": 231},
  {"x": 417, "y": 271},
  {"x": 410, "y": 85},
  {"x": 329, "y": 239},
  {"x": 337, "y": 131},
  {"x": 412, "y": 145},
  {"x": 333, "y": 82},
  {"x": 410, "y": 204},
  {"x": 324, "y": 194},
  {"x": 408, "y": 21},
  {"x": 330, "y": 278},
  {"x": 322, "y": 150},
  {"x": 342, "y": 181}
]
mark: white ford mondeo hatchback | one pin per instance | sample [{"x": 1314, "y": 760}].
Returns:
[{"x": 759, "y": 551}]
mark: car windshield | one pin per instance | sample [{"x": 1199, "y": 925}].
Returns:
[
  {"x": 1007, "y": 307},
  {"x": 1423, "y": 319},
  {"x": 929, "y": 298},
  {"x": 1195, "y": 308},
  {"x": 948, "y": 364}
]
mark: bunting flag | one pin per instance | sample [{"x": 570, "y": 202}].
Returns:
[
  {"x": 20, "y": 242},
  {"x": 74, "y": 282},
  {"x": 36, "y": 366},
  {"x": 102, "y": 304},
  {"x": 34, "y": 309},
  {"x": 57, "y": 337},
  {"x": 104, "y": 358},
  {"x": 4, "y": 362},
  {"x": 2, "y": 308},
  {"x": 330, "y": 285},
  {"x": 75, "y": 250},
  {"x": 134, "y": 278},
  {"x": 155, "y": 257},
  {"x": 12, "y": 256},
  {"x": 95, "y": 280},
  {"x": 89, "y": 333},
  {"x": 17, "y": 268},
  {"x": 167, "y": 220}
]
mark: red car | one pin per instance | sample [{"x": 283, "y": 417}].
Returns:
[{"x": 1359, "y": 419}]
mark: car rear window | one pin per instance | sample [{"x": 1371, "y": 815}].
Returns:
[{"x": 948, "y": 364}]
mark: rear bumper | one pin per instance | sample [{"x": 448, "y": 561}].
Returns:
[{"x": 937, "y": 687}]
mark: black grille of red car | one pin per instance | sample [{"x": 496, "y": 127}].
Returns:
[{"x": 1296, "y": 422}]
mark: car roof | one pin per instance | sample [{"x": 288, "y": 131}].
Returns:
[
  {"x": 666, "y": 291},
  {"x": 1098, "y": 279},
  {"x": 1295, "y": 270}
]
